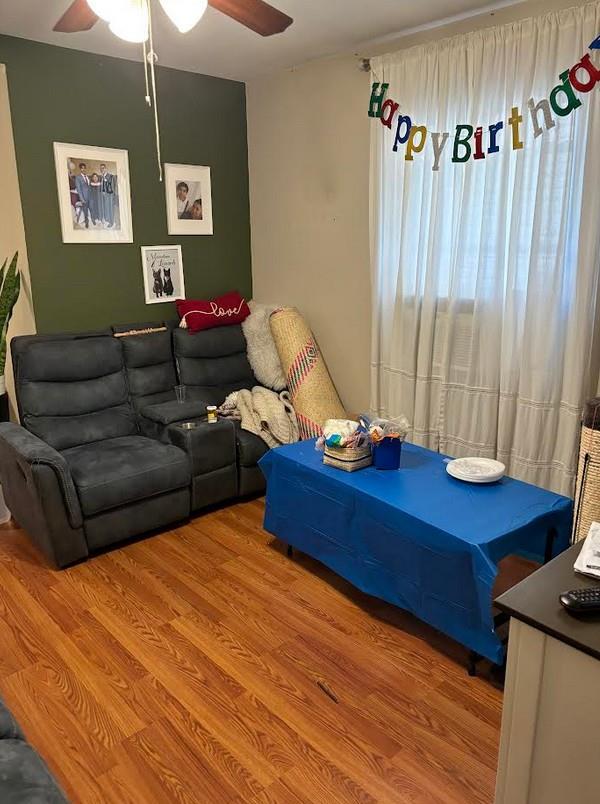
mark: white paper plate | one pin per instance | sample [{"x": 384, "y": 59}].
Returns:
[{"x": 476, "y": 470}]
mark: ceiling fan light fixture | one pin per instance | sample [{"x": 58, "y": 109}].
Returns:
[
  {"x": 131, "y": 22},
  {"x": 105, "y": 9},
  {"x": 184, "y": 14}
]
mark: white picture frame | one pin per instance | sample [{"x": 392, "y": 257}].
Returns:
[
  {"x": 97, "y": 210},
  {"x": 190, "y": 214},
  {"x": 161, "y": 264}
]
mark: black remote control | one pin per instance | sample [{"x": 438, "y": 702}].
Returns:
[{"x": 581, "y": 601}]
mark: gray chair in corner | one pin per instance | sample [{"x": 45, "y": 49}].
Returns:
[{"x": 77, "y": 474}]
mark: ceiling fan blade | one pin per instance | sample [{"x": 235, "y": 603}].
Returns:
[
  {"x": 254, "y": 14},
  {"x": 78, "y": 17}
]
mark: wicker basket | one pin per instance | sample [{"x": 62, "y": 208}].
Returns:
[
  {"x": 587, "y": 492},
  {"x": 350, "y": 459}
]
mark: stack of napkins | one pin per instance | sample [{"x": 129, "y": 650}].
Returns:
[{"x": 588, "y": 561}]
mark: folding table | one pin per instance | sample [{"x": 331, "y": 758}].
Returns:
[{"x": 415, "y": 537}]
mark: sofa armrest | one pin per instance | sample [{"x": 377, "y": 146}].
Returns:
[
  {"x": 209, "y": 446},
  {"x": 167, "y": 413},
  {"x": 9, "y": 728},
  {"x": 18, "y": 444}
]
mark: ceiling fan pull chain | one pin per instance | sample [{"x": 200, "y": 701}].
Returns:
[
  {"x": 145, "y": 52},
  {"x": 153, "y": 78},
  {"x": 131, "y": 20}
]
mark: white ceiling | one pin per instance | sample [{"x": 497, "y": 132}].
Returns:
[{"x": 219, "y": 46}]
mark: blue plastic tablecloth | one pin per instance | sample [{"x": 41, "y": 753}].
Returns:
[{"x": 415, "y": 537}]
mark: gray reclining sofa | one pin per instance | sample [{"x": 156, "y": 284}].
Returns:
[
  {"x": 24, "y": 776},
  {"x": 100, "y": 455}
]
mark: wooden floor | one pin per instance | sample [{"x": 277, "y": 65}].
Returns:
[{"x": 187, "y": 668}]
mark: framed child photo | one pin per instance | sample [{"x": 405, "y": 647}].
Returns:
[
  {"x": 163, "y": 274},
  {"x": 189, "y": 200},
  {"x": 94, "y": 195}
]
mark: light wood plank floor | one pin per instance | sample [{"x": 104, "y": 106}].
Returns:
[{"x": 185, "y": 667}]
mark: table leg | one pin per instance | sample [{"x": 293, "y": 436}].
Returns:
[
  {"x": 290, "y": 551},
  {"x": 548, "y": 552}
]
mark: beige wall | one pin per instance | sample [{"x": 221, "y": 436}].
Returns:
[
  {"x": 308, "y": 140},
  {"x": 309, "y": 173},
  {"x": 12, "y": 234}
]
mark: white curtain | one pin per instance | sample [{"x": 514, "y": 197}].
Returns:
[{"x": 485, "y": 274}]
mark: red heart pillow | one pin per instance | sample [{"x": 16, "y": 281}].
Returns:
[{"x": 231, "y": 308}]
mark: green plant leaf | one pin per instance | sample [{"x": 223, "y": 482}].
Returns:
[
  {"x": 11, "y": 287},
  {"x": 4, "y": 333}
]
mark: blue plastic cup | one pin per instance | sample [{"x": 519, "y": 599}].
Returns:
[{"x": 386, "y": 454}]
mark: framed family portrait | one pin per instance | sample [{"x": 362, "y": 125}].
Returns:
[
  {"x": 163, "y": 274},
  {"x": 189, "y": 200},
  {"x": 94, "y": 195}
]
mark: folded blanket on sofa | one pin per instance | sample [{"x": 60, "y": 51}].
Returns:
[{"x": 268, "y": 415}]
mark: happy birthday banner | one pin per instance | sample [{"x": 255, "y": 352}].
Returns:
[{"x": 469, "y": 141}]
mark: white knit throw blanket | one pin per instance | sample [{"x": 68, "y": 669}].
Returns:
[
  {"x": 265, "y": 413},
  {"x": 262, "y": 352}
]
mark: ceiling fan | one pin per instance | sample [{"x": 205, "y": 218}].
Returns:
[
  {"x": 129, "y": 18},
  {"x": 132, "y": 20}
]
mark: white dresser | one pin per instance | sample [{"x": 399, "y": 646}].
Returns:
[{"x": 550, "y": 743}]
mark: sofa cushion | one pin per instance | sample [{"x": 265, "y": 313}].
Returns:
[
  {"x": 69, "y": 360},
  {"x": 170, "y": 412},
  {"x": 199, "y": 314},
  {"x": 250, "y": 447},
  {"x": 122, "y": 470},
  {"x": 150, "y": 367},
  {"x": 213, "y": 363},
  {"x": 74, "y": 391},
  {"x": 65, "y": 432},
  {"x": 24, "y": 777}
]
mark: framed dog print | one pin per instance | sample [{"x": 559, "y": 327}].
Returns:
[
  {"x": 94, "y": 195},
  {"x": 189, "y": 200},
  {"x": 163, "y": 274}
]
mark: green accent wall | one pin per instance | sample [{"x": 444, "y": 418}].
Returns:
[{"x": 63, "y": 95}]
